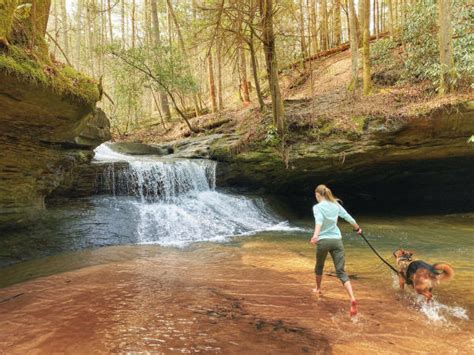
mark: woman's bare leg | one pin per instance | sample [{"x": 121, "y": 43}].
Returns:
[
  {"x": 319, "y": 278},
  {"x": 348, "y": 287}
]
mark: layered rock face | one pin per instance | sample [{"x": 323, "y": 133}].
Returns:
[
  {"x": 422, "y": 162},
  {"x": 412, "y": 164},
  {"x": 44, "y": 137}
]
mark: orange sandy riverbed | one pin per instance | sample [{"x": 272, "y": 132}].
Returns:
[{"x": 216, "y": 299}]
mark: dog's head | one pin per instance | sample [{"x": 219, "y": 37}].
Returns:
[{"x": 403, "y": 255}]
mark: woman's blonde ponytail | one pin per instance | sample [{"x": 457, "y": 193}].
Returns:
[{"x": 326, "y": 192}]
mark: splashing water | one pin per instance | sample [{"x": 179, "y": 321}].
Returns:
[
  {"x": 177, "y": 202},
  {"x": 435, "y": 311}
]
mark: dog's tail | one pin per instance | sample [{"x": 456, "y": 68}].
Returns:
[{"x": 444, "y": 271}]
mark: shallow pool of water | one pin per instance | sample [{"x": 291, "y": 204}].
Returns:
[{"x": 73, "y": 233}]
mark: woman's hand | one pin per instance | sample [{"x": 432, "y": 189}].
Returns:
[
  {"x": 314, "y": 239},
  {"x": 357, "y": 229}
]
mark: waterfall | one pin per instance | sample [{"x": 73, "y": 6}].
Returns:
[
  {"x": 154, "y": 181},
  {"x": 177, "y": 202}
]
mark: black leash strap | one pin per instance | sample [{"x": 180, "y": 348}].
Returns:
[{"x": 376, "y": 253}]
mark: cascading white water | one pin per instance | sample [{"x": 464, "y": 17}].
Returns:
[{"x": 177, "y": 202}]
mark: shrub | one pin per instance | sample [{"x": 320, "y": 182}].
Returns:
[{"x": 381, "y": 53}]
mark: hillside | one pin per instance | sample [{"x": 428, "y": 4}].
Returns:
[{"x": 318, "y": 104}]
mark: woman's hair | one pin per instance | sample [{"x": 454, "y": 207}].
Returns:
[{"x": 326, "y": 192}]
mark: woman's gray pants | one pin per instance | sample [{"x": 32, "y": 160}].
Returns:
[{"x": 336, "y": 249}]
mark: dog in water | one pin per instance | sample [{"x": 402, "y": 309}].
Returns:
[{"x": 422, "y": 276}]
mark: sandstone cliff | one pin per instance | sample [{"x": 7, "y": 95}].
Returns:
[
  {"x": 420, "y": 161},
  {"x": 44, "y": 135}
]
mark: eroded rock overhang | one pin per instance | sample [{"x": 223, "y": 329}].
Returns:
[{"x": 44, "y": 136}]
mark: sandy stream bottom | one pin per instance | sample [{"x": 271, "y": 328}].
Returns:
[{"x": 213, "y": 299}]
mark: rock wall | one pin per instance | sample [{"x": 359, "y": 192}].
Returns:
[
  {"x": 422, "y": 162},
  {"x": 44, "y": 137},
  {"x": 412, "y": 164}
]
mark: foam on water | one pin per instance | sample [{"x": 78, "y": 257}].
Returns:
[{"x": 177, "y": 202}]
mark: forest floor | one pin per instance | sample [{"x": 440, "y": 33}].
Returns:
[
  {"x": 214, "y": 299},
  {"x": 317, "y": 104}
]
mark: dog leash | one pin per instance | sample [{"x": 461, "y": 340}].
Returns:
[{"x": 376, "y": 253}]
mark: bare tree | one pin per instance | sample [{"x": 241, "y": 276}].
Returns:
[
  {"x": 354, "y": 45},
  {"x": 212, "y": 85},
  {"x": 365, "y": 16},
  {"x": 323, "y": 25},
  {"x": 268, "y": 36},
  {"x": 165, "y": 108},
  {"x": 446, "y": 59}
]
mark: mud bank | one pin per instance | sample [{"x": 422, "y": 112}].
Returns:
[{"x": 216, "y": 299}]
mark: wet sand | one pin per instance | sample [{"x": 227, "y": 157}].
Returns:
[{"x": 217, "y": 299}]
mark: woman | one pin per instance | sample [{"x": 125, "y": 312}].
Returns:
[{"x": 328, "y": 238}]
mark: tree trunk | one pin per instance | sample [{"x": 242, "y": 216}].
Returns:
[
  {"x": 366, "y": 46},
  {"x": 304, "y": 51},
  {"x": 78, "y": 33},
  {"x": 266, "y": 9},
  {"x": 40, "y": 16},
  {"x": 176, "y": 25},
  {"x": 395, "y": 11},
  {"x": 109, "y": 16},
  {"x": 313, "y": 27},
  {"x": 7, "y": 10},
  {"x": 382, "y": 18},
  {"x": 376, "y": 18},
  {"x": 253, "y": 58},
  {"x": 337, "y": 23},
  {"x": 374, "y": 13},
  {"x": 64, "y": 28},
  {"x": 446, "y": 59},
  {"x": 391, "y": 23},
  {"x": 55, "y": 29},
  {"x": 323, "y": 25},
  {"x": 133, "y": 23},
  {"x": 220, "y": 88},
  {"x": 182, "y": 46},
  {"x": 90, "y": 39},
  {"x": 354, "y": 44},
  {"x": 346, "y": 13},
  {"x": 122, "y": 23},
  {"x": 165, "y": 107},
  {"x": 243, "y": 73},
  {"x": 158, "y": 108},
  {"x": 212, "y": 86}
]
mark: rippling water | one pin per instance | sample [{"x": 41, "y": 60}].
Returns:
[{"x": 175, "y": 203}]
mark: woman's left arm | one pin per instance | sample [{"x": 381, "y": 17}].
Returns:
[
  {"x": 318, "y": 221},
  {"x": 315, "y": 237}
]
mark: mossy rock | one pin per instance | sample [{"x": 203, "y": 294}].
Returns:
[
  {"x": 136, "y": 148},
  {"x": 15, "y": 61}
]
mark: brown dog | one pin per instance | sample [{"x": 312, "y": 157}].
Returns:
[{"x": 422, "y": 276}]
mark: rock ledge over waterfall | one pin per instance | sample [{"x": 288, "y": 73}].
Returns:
[
  {"x": 421, "y": 160},
  {"x": 45, "y": 135}
]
